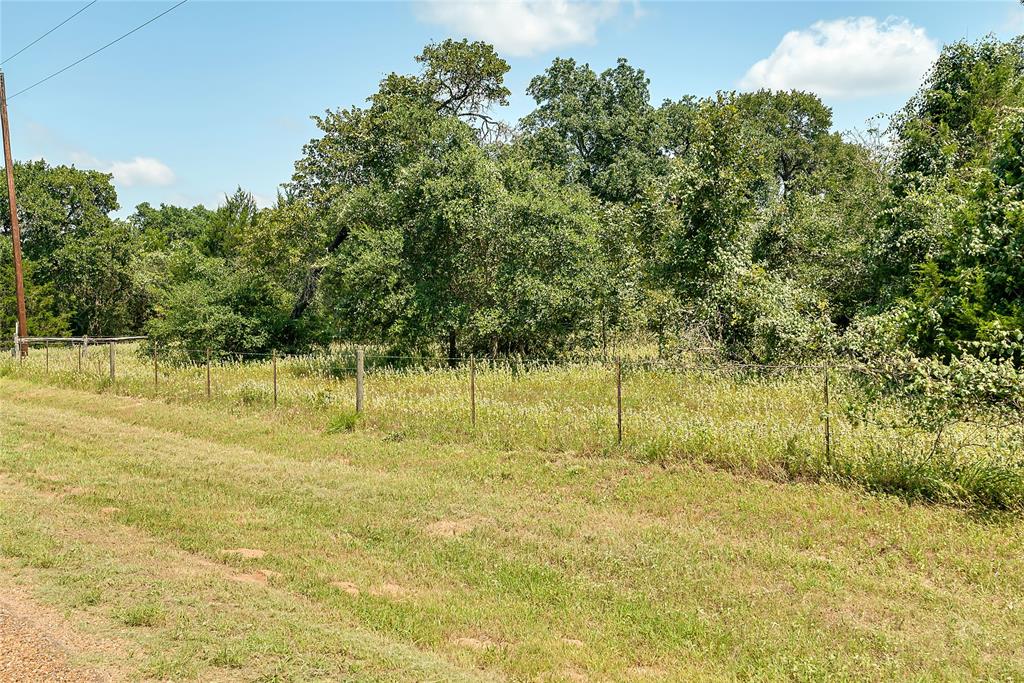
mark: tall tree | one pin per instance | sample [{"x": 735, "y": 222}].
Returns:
[
  {"x": 410, "y": 118},
  {"x": 599, "y": 130}
]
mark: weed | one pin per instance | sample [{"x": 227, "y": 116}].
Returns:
[
  {"x": 145, "y": 614},
  {"x": 343, "y": 421}
]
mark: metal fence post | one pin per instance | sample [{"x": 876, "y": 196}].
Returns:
[
  {"x": 618, "y": 394},
  {"x": 46, "y": 353},
  {"x": 207, "y": 372},
  {"x": 156, "y": 370},
  {"x": 273, "y": 361},
  {"x": 113, "y": 370},
  {"x": 79, "y": 357},
  {"x": 359, "y": 379},
  {"x": 828, "y": 422},
  {"x": 472, "y": 390}
]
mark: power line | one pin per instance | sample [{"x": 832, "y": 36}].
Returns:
[
  {"x": 97, "y": 51},
  {"x": 48, "y": 32}
]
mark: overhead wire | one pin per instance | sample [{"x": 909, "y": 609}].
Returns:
[
  {"x": 101, "y": 49},
  {"x": 48, "y": 32}
]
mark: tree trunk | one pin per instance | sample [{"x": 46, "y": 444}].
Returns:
[
  {"x": 305, "y": 297},
  {"x": 453, "y": 349}
]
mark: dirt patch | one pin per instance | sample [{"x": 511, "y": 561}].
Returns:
[
  {"x": 37, "y": 644},
  {"x": 474, "y": 643},
  {"x": 110, "y": 510},
  {"x": 244, "y": 553},
  {"x": 346, "y": 586},
  {"x": 392, "y": 591},
  {"x": 260, "y": 576},
  {"x": 575, "y": 642},
  {"x": 647, "y": 673},
  {"x": 28, "y": 654},
  {"x": 451, "y": 528}
]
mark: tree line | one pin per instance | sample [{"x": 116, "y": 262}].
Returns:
[{"x": 423, "y": 222}]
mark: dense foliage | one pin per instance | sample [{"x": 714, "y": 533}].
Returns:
[{"x": 423, "y": 222}]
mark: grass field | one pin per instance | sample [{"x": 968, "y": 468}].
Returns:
[{"x": 222, "y": 541}]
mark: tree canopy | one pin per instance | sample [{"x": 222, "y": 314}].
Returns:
[{"x": 421, "y": 220}]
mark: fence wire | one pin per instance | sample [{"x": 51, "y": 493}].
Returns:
[{"x": 757, "y": 413}]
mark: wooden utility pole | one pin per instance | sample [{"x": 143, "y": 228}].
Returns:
[{"x": 19, "y": 281}]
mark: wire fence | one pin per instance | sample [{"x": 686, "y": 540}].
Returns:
[
  {"x": 781, "y": 421},
  {"x": 339, "y": 378}
]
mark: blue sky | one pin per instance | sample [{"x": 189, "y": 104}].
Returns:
[{"x": 219, "y": 94}]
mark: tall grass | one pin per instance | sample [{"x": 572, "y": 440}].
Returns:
[{"x": 769, "y": 425}]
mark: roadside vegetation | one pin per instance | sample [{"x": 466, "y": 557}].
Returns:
[{"x": 769, "y": 422}]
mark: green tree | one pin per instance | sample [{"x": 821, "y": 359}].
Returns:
[
  {"x": 467, "y": 253},
  {"x": 598, "y": 130},
  {"x": 410, "y": 119},
  {"x": 80, "y": 264},
  {"x": 947, "y": 253}
]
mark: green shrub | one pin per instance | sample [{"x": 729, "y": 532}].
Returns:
[{"x": 342, "y": 422}]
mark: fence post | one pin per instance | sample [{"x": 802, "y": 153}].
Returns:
[
  {"x": 113, "y": 369},
  {"x": 472, "y": 390},
  {"x": 359, "y": 380},
  {"x": 79, "y": 357},
  {"x": 273, "y": 360},
  {"x": 207, "y": 372},
  {"x": 46, "y": 352},
  {"x": 618, "y": 394},
  {"x": 828, "y": 423},
  {"x": 156, "y": 370}
]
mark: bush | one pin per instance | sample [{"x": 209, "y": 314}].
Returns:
[{"x": 764, "y": 319}]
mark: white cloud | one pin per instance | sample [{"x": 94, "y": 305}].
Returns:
[
  {"x": 141, "y": 171},
  {"x": 853, "y": 57},
  {"x": 1014, "y": 23},
  {"x": 263, "y": 201},
  {"x": 522, "y": 27}
]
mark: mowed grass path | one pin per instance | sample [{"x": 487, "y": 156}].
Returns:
[{"x": 414, "y": 561}]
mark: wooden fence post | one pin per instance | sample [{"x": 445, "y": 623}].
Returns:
[
  {"x": 828, "y": 422},
  {"x": 46, "y": 352},
  {"x": 79, "y": 357},
  {"x": 156, "y": 370},
  {"x": 207, "y": 372},
  {"x": 113, "y": 370},
  {"x": 359, "y": 379},
  {"x": 618, "y": 394},
  {"x": 472, "y": 390},
  {"x": 273, "y": 360}
]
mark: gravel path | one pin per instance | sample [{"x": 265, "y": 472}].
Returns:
[{"x": 28, "y": 653}]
